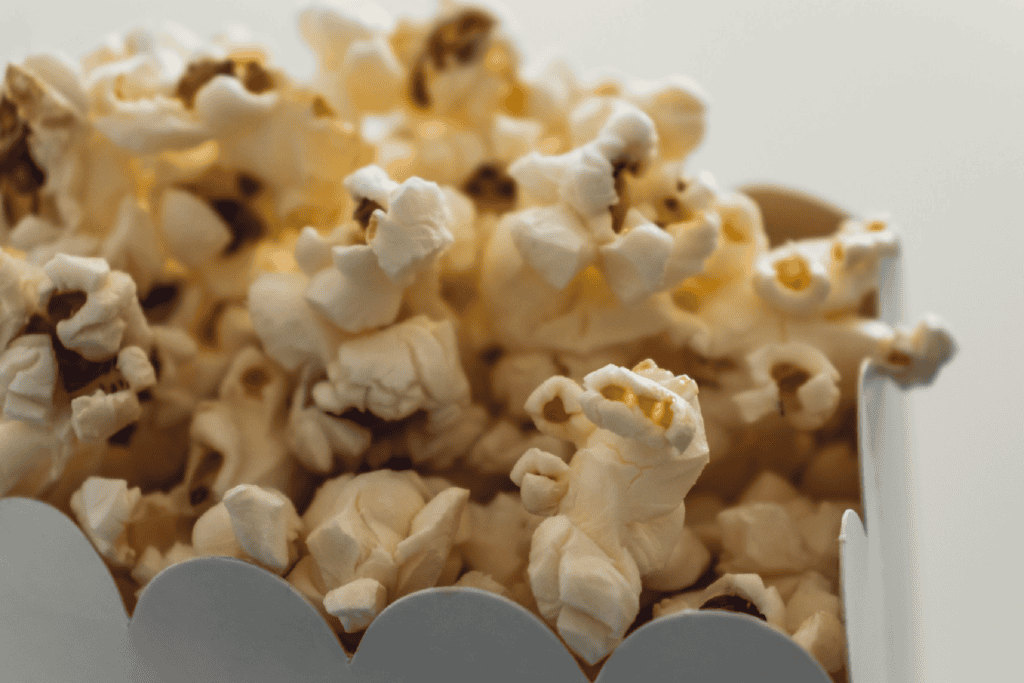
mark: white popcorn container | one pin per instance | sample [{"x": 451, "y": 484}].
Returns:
[{"x": 219, "y": 619}]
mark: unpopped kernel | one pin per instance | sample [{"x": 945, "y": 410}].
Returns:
[{"x": 427, "y": 321}]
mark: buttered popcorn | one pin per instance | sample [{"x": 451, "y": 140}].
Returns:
[{"x": 426, "y": 321}]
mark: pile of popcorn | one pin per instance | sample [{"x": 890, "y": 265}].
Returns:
[{"x": 427, "y": 322}]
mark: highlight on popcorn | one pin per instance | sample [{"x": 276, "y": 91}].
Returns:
[{"x": 426, "y": 321}]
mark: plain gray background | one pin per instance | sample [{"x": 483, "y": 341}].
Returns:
[{"x": 911, "y": 106}]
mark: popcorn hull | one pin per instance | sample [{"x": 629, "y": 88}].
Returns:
[{"x": 61, "y": 617}]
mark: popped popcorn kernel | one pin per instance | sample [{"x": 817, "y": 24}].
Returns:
[{"x": 426, "y": 320}]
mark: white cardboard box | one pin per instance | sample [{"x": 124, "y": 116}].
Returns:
[{"x": 219, "y": 619}]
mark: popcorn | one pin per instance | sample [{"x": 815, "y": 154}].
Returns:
[
  {"x": 792, "y": 280},
  {"x": 822, "y": 636},
  {"x": 28, "y": 373},
  {"x": 234, "y": 438},
  {"x": 915, "y": 355},
  {"x": 193, "y": 230},
  {"x": 249, "y": 296},
  {"x": 103, "y": 508},
  {"x": 761, "y": 537},
  {"x": 741, "y": 593},
  {"x": 589, "y": 559},
  {"x": 101, "y": 415},
  {"x": 252, "y": 523},
  {"x": 408, "y": 367},
  {"x": 796, "y": 380},
  {"x": 377, "y": 537},
  {"x": 104, "y": 311}
]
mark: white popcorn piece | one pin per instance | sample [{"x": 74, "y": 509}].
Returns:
[
  {"x": 582, "y": 179},
  {"x": 677, "y": 106},
  {"x": 467, "y": 237},
  {"x": 151, "y": 562},
  {"x": 77, "y": 272},
  {"x": 497, "y": 538},
  {"x": 110, "y": 314},
  {"x": 792, "y": 280},
  {"x": 133, "y": 244},
  {"x": 554, "y": 242},
  {"x": 193, "y": 231},
  {"x": 129, "y": 87},
  {"x": 31, "y": 457},
  {"x": 585, "y": 317},
  {"x": 628, "y": 138},
  {"x": 32, "y": 232},
  {"x": 312, "y": 251},
  {"x": 62, "y": 73},
  {"x": 820, "y": 531},
  {"x": 865, "y": 242},
  {"x": 588, "y": 560},
  {"x": 103, "y": 508},
  {"x": 700, "y": 192},
  {"x": 100, "y": 415},
  {"x": 635, "y": 264},
  {"x": 645, "y": 409},
  {"x": 915, "y": 355},
  {"x": 587, "y": 185},
  {"x": 514, "y": 137},
  {"x": 392, "y": 373},
  {"x": 265, "y": 524},
  {"x": 371, "y": 76},
  {"x": 539, "y": 176},
  {"x": 213, "y": 534},
  {"x": 235, "y": 439},
  {"x": 316, "y": 437},
  {"x": 813, "y": 594},
  {"x": 543, "y": 480},
  {"x": 422, "y": 554},
  {"x": 623, "y": 133},
  {"x": 742, "y": 593},
  {"x": 689, "y": 561},
  {"x": 447, "y": 435},
  {"x": 794, "y": 380},
  {"x": 373, "y": 183},
  {"x": 28, "y": 374},
  {"x": 357, "y": 603},
  {"x": 461, "y": 67},
  {"x": 762, "y": 538},
  {"x": 364, "y": 287},
  {"x": 555, "y": 408},
  {"x": 23, "y": 291},
  {"x": 330, "y": 29},
  {"x": 288, "y": 327},
  {"x": 823, "y": 637},
  {"x": 693, "y": 242},
  {"x": 354, "y": 293},
  {"x": 225, "y": 104},
  {"x": 412, "y": 230},
  {"x": 383, "y": 530},
  {"x": 138, "y": 371},
  {"x": 589, "y": 116}
]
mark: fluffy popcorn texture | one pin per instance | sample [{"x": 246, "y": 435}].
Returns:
[
  {"x": 641, "y": 436},
  {"x": 428, "y": 321}
]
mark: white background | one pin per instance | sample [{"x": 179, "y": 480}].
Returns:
[{"x": 915, "y": 107}]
